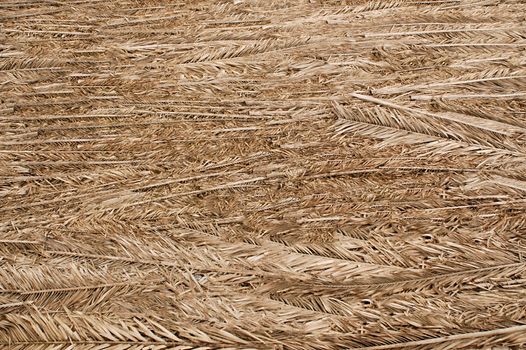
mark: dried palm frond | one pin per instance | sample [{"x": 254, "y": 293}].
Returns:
[{"x": 262, "y": 174}]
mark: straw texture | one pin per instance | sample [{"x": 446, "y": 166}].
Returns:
[{"x": 262, "y": 174}]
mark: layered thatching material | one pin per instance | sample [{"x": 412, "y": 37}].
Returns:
[{"x": 262, "y": 174}]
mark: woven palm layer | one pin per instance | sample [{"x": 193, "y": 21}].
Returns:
[{"x": 262, "y": 174}]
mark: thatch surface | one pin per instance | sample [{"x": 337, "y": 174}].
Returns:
[{"x": 262, "y": 174}]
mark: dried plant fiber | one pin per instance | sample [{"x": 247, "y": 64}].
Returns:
[{"x": 262, "y": 174}]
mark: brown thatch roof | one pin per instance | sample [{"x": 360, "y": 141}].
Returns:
[{"x": 262, "y": 174}]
